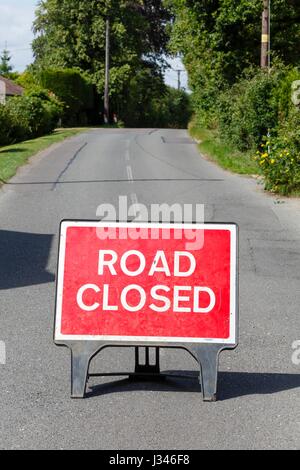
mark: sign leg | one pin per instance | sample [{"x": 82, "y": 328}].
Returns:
[
  {"x": 147, "y": 368},
  {"x": 82, "y": 354},
  {"x": 208, "y": 359}
]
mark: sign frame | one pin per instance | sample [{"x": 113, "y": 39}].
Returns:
[{"x": 205, "y": 351}]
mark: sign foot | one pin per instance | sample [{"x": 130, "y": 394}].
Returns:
[
  {"x": 81, "y": 358},
  {"x": 208, "y": 359}
]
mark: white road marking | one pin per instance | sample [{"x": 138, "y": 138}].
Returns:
[
  {"x": 2, "y": 353},
  {"x": 127, "y": 155},
  {"x": 129, "y": 173}
]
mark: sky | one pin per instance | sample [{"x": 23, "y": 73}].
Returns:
[{"x": 16, "y": 18}]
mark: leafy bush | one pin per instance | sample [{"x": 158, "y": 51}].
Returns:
[
  {"x": 248, "y": 110},
  {"x": 6, "y": 126},
  {"x": 28, "y": 116},
  {"x": 52, "y": 106},
  {"x": 32, "y": 116},
  {"x": 282, "y": 92},
  {"x": 279, "y": 157}
]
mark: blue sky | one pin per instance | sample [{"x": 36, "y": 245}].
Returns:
[{"x": 16, "y": 17}]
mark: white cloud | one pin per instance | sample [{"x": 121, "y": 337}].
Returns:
[{"x": 16, "y": 18}]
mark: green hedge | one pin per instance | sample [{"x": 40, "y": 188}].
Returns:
[
  {"x": 73, "y": 89},
  {"x": 258, "y": 114}
]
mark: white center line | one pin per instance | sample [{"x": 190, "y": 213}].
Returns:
[{"x": 129, "y": 173}]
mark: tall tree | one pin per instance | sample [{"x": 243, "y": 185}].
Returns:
[
  {"x": 5, "y": 65},
  {"x": 224, "y": 35},
  {"x": 71, "y": 33},
  {"x": 219, "y": 39}
]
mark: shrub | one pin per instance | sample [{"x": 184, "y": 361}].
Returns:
[
  {"x": 283, "y": 90},
  {"x": 32, "y": 116},
  {"x": 279, "y": 157},
  {"x": 6, "y": 126},
  {"x": 53, "y": 108},
  {"x": 29, "y": 116},
  {"x": 248, "y": 110}
]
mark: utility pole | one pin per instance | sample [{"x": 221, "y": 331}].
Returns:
[
  {"x": 107, "y": 69},
  {"x": 179, "y": 72},
  {"x": 265, "y": 36}
]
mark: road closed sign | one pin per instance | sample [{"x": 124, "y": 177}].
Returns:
[{"x": 147, "y": 284}]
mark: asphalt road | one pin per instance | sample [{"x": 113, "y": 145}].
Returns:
[{"x": 259, "y": 402}]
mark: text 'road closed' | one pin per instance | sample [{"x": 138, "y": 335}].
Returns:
[{"x": 134, "y": 297}]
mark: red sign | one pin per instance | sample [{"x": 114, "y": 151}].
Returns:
[{"x": 147, "y": 283}]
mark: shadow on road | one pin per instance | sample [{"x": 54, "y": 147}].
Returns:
[
  {"x": 230, "y": 384},
  {"x": 23, "y": 259}
]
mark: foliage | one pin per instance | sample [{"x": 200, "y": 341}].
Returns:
[
  {"x": 220, "y": 39},
  {"x": 6, "y": 126},
  {"x": 279, "y": 157},
  {"x": 28, "y": 116},
  {"x": 224, "y": 153},
  {"x": 232, "y": 96},
  {"x": 71, "y": 33},
  {"x": 179, "y": 109},
  {"x": 32, "y": 116},
  {"x": 5, "y": 65},
  {"x": 150, "y": 103},
  {"x": 73, "y": 89},
  {"x": 248, "y": 110}
]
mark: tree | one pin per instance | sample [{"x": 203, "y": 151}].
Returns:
[
  {"x": 5, "y": 66},
  {"x": 71, "y": 33},
  {"x": 220, "y": 39}
]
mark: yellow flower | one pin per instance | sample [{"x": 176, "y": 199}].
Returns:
[{"x": 272, "y": 161}]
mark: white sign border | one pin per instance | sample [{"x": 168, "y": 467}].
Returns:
[{"x": 149, "y": 340}]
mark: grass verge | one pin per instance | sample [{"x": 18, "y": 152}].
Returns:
[
  {"x": 224, "y": 154},
  {"x": 13, "y": 156}
]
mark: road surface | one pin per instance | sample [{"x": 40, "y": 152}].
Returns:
[{"x": 259, "y": 401}]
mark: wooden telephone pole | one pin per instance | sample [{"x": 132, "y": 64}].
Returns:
[
  {"x": 265, "y": 36},
  {"x": 179, "y": 72},
  {"x": 107, "y": 76}
]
